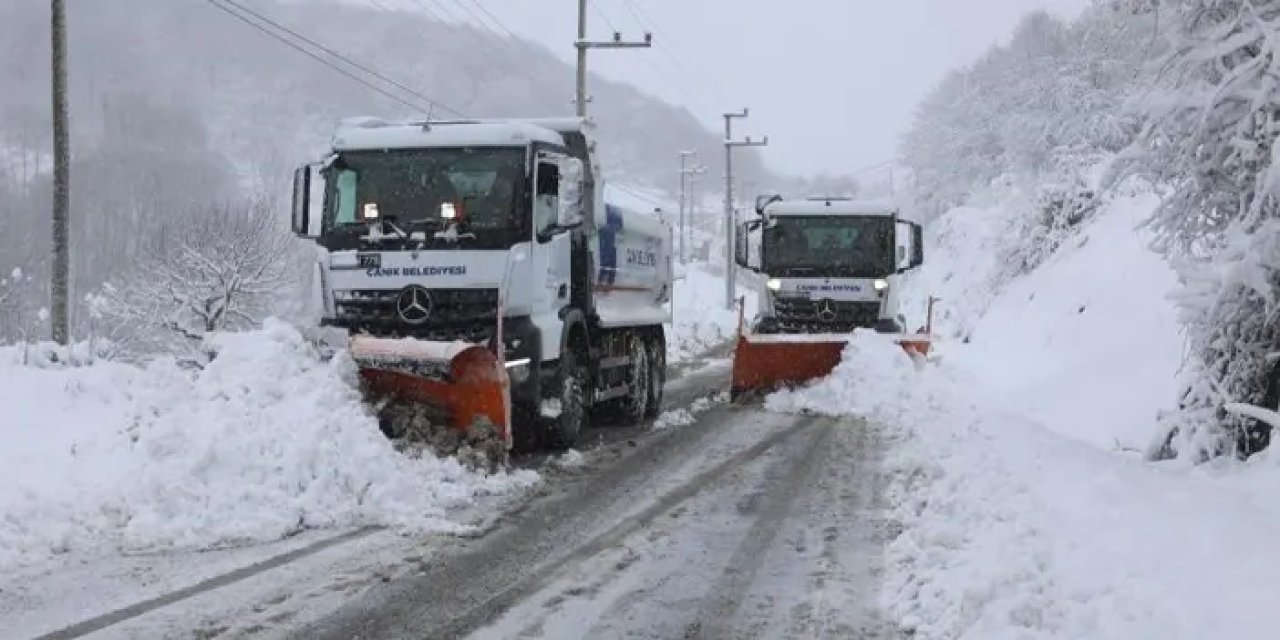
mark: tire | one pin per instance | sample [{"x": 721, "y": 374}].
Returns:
[
  {"x": 658, "y": 375},
  {"x": 635, "y": 405},
  {"x": 570, "y": 389}
]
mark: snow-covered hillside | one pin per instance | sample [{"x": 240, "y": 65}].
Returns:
[{"x": 1088, "y": 343}]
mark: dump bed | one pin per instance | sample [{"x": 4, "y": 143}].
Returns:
[{"x": 633, "y": 269}]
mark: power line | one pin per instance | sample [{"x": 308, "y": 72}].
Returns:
[
  {"x": 466, "y": 8},
  {"x": 635, "y": 193},
  {"x": 445, "y": 17},
  {"x": 663, "y": 45},
  {"x": 316, "y": 57},
  {"x": 495, "y": 19},
  {"x": 433, "y": 103},
  {"x": 603, "y": 16}
]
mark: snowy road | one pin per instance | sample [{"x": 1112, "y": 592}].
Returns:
[{"x": 745, "y": 524}]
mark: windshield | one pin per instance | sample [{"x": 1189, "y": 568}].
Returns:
[
  {"x": 428, "y": 191},
  {"x": 829, "y": 246}
]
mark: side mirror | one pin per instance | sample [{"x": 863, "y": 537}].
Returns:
[
  {"x": 572, "y": 176},
  {"x": 742, "y": 250},
  {"x": 308, "y": 200},
  {"x": 763, "y": 201},
  {"x": 917, "y": 245}
]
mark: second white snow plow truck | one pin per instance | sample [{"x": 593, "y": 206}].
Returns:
[
  {"x": 492, "y": 299},
  {"x": 832, "y": 265}
]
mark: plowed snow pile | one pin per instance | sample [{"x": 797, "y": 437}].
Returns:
[
  {"x": 1013, "y": 531},
  {"x": 265, "y": 441}
]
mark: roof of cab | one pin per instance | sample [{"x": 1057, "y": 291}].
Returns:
[
  {"x": 831, "y": 206},
  {"x": 372, "y": 133}
]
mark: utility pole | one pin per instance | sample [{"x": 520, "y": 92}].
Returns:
[
  {"x": 730, "y": 265},
  {"x": 59, "y": 280},
  {"x": 686, "y": 174},
  {"x": 695, "y": 208},
  {"x": 583, "y": 45},
  {"x": 684, "y": 156}
]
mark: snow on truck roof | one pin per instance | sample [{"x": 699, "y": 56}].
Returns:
[
  {"x": 831, "y": 206},
  {"x": 372, "y": 133}
]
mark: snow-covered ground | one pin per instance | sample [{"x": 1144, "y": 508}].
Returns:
[{"x": 1020, "y": 515}]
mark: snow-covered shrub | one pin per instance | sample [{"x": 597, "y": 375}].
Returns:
[
  {"x": 1210, "y": 140},
  {"x": 1058, "y": 213},
  {"x": 1229, "y": 305},
  {"x": 220, "y": 269}
]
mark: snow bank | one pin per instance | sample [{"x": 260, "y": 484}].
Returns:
[
  {"x": 1010, "y": 530},
  {"x": 1088, "y": 344},
  {"x": 700, "y": 320},
  {"x": 264, "y": 442}
]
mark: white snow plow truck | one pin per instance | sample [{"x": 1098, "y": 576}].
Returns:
[
  {"x": 832, "y": 265},
  {"x": 491, "y": 298}
]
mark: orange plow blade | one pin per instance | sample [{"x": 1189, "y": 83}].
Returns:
[
  {"x": 764, "y": 362},
  {"x": 462, "y": 385}
]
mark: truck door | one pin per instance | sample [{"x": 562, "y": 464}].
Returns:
[
  {"x": 902, "y": 240},
  {"x": 552, "y": 245}
]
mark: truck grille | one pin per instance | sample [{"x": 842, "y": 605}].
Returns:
[
  {"x": 801, "y": 315},
  {"x": 463, "y": 314}
]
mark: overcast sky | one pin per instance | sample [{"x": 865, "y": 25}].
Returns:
[{"x": 832, "y": 82}]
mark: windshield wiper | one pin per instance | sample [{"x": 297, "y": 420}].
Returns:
[
  {"x": 377, "y": 232},
  {"x": 452, "y": 234}
]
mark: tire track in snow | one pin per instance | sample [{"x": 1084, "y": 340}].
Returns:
[
  {"x": 492, "y": 608},
  {"x": 725, "y": 597}
]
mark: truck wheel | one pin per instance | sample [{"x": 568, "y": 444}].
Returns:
[
  {"x": 635, "y": 406},
  {"x": 563, "y": 430},
  {"x": 657, "y": 377}
]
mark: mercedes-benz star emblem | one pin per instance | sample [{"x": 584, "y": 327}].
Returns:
[
  {"x": 826, "y": 310},
  {"x": 414, "y": 305}
]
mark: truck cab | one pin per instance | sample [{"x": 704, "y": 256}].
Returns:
[{"x": 831, "y": 264}]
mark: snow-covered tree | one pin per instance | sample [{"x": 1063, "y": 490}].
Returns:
[
  {"x": 1046, "y": 105},
  {"x": 1209, "y": 141},
  {"x": 215, "y": 269}
]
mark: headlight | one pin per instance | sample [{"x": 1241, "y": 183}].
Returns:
[
  {"x": 774, "y": 284},
  {"x": 881, "y": 285}
]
